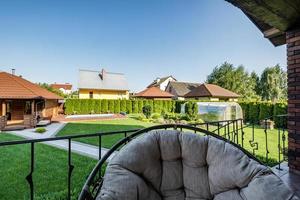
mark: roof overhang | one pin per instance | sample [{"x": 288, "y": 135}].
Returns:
[{"x": 273, "y": 18}]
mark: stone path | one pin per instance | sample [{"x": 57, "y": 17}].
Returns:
[{"x": 52, "y": 129}]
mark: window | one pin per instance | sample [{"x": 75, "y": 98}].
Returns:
[{"x": 91, "y": 95}]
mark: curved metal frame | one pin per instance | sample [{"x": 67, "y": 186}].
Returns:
[{"x": 86, "y": 194}]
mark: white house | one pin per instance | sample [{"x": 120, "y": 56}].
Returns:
[
  {"x": 66, "y": 88},
  {"x": 162, "y": 83}
]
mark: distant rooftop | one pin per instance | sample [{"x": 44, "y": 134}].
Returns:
[
  {"x": 158, "y": 81},
  {"x": 154, "y": 92},
  {"x": 102, "y": 80},
  {"x": 66, "y": 86},
  {"x": 182, "y": 88},
  {"x": 211, "y": 90}
]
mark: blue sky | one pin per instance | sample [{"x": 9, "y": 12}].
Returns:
[{"x": 48, "y": 41}]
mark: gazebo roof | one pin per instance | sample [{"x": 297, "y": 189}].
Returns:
[
  {"x": 273, "y": 18},
  {"x": 15, "y": 87}
]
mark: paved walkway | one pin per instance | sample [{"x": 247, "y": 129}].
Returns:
[{"x": 52, "y": 129}]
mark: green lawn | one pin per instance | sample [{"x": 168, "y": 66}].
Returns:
[
  {"x": 260, "y": 138},
  {"x": 89, "y": 127},
  {"x": 129, "y": 123},
  {"x": 50, "y": 175},
  {"x": 51, "y": 163}
]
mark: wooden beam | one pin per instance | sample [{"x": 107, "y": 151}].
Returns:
[
  {"x": 3, "y": 108},
  {"x": 32, "y": 107},
  {"x": 272, "y": 32}
]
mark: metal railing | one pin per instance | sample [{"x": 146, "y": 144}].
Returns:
[
  {"x": 33, "y": 142},
  {"x": 232, "y": 131}
]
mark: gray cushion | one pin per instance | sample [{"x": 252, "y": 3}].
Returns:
[{"x": 171, "y": 165}]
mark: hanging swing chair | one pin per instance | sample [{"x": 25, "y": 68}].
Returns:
[{"x": 180, "y": 162}]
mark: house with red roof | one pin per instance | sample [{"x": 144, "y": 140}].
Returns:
[
  {"x": 154, "y": 93},
  {"x": 212, "y": 92},
  {"x": 23, "y": 102},
  {"x": 65, "y": 88}
]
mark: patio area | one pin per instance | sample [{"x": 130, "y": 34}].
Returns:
[{"x": 290, "y": 178}]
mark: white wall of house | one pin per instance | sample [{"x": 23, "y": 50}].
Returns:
[
  {"x": 164, "y": 84},
  {"x": 65, "y": 91}
]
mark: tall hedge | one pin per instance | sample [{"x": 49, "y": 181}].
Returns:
[
  {"x": 135, "y": 106},
  {"x": 104, "y": 106},
  {"x": 97, "y": 105},
  {"x": 69, "y": 106},
  {"x": 245, "y": 109},
  {"x": 128, "y": 106},
  {"x": 254, "y": 112},
  {"x": 280, "y": 109},
  {"x": 265, "y": 110},
  {"x": 111, "y": 106},
  {"x": 117, "y": 106},
  {"x": 123, "y": 105},
  {"x": 141, "y": 105}
]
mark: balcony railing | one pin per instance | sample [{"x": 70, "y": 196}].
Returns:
[{"x": 232, "y": 131}]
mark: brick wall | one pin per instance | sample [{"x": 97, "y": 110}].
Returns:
[
  {"x": 30, "y": 121},
  {"x": 293, "y": 60}
]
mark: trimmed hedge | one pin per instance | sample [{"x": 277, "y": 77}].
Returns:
[
  {"x": 257, "y": 111},
  {"x": 265, "y": 110},
  {"x": 97, "y": 106}
]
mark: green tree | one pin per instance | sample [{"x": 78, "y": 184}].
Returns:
[
  {"x": 273, "y": 84},
  {"x": 51, "y": 89},
  {"x": 235, "y": 79}
]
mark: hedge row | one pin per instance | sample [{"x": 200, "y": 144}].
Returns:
[
  {"x": 257, "y": 111},
  {"x": 97, "y": 106}
]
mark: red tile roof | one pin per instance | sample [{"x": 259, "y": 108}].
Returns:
[
  {"x": 15, "y": 87},
  {"x": 154, "y": 92},
  {"x": 58, "y": 86},
  {"x": 211, "y": 90}
]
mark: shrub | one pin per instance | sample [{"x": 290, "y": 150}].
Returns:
[
  {"x": 69, "y": 106},
  {"x": 91, "y": 106},
  {"x": 128, "y": 106},
  {"x": 191, "y": 109},
  {"x": 84, "y": 107},
  {"x": 155, "y": 116},
  {"x": 104, "y": 106},
  {"x": 40, "y": 130},
  {"x": 111, "y": 106},
  {"x": 123, "y": 105},
  {"x": 178, "y": 105},
  {"x": 117, "y": 106},
  {"x": 97, "y": 106},
  {"x": 77, "y": 106},
  {"x": 135, "y": 106},
  {"x": 141, "y": 104},
  {"x": 147, "y": 111}
]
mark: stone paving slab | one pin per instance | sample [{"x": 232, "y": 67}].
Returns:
[{"x": 52, "y": 129}]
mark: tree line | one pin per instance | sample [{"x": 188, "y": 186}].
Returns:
[{"x": 271, "y": 85}]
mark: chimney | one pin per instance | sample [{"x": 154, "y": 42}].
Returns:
[
  {"x": 13, "y": 71},
  {"x": 101, "y": 74}
]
